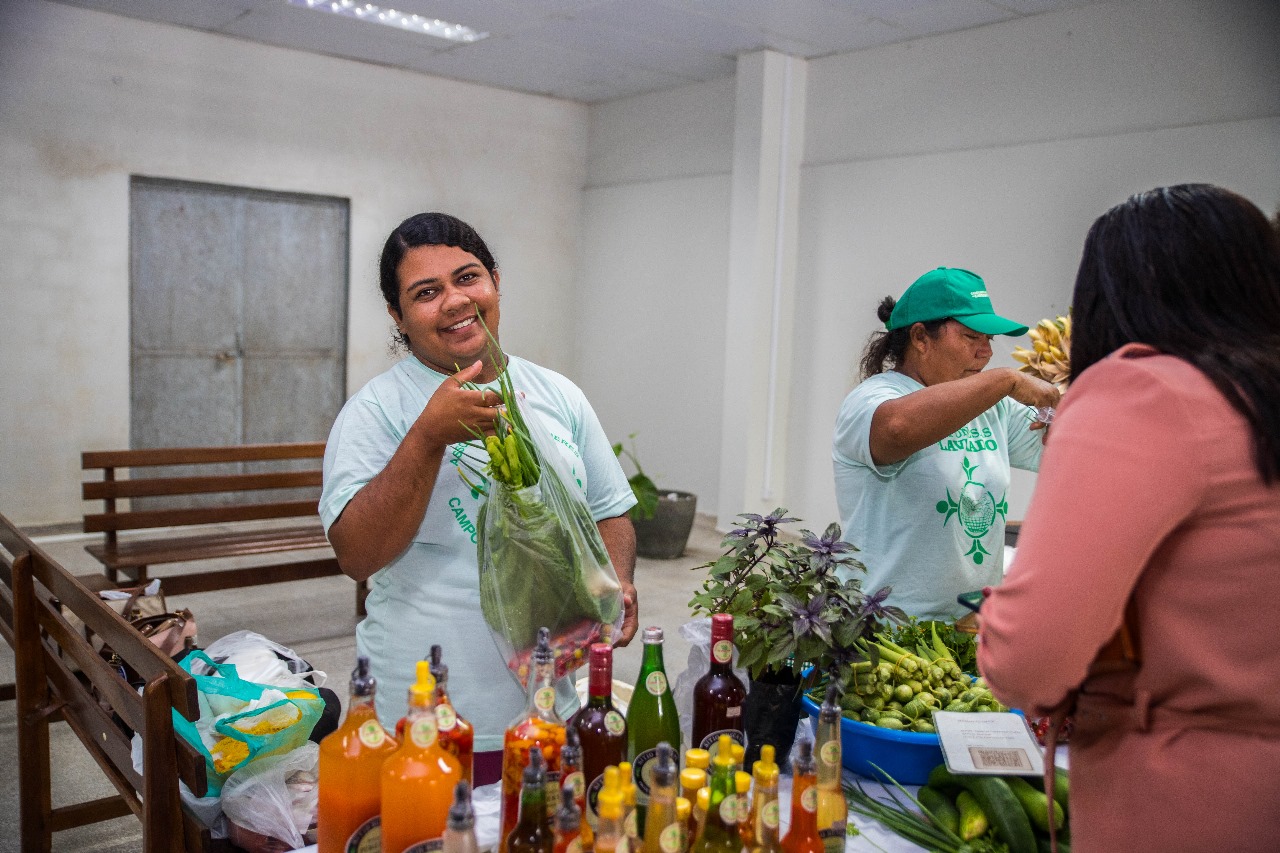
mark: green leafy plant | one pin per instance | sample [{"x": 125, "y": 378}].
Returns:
[
  {"x": 791, "y": 609},
  {"x": 645, "y": 490}
]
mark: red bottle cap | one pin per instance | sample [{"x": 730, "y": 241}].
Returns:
[
  {"x": 721, "y": 627},
  {"x": 600, "y": 680}
]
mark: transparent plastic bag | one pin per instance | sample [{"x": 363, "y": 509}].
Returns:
[
  {"x": 543, "y": 564},
  {"x": 242, "y": 721},
  {"x": 274, "y": 797},
  {"x": 697, "y": 633},
  {"x": 263, "y": 661}
]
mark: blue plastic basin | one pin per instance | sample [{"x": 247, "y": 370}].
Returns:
[{"x": 906, "y": 756}]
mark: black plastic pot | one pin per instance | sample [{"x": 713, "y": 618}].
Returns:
[
  {"x": 664, "y": 536},
  {"x": 771, "y": 713}
]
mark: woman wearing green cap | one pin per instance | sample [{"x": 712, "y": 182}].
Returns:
[{"x": 924, "y": 444}]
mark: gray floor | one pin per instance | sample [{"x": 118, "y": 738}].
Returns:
[{"x": 316, "y": 619}]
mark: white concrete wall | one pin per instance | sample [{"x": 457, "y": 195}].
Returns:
[
  {"x": 88, "y": 99},
  {"x": 992, "y": 148},
  {"x": 653, "y": 278}
]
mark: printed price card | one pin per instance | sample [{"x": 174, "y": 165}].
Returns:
[{"x": 998, "y": 744}]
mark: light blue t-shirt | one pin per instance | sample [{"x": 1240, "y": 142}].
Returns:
[
  {"x": 932, "y": 525},
  {"x": 430, "y": 593}
]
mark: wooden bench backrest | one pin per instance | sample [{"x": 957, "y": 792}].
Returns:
[
  {"x": 112, "y": 488},
  {"x": 59, "y": 673}
]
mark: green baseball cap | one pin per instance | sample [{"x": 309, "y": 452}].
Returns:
[{"x": 950, "y": 293}]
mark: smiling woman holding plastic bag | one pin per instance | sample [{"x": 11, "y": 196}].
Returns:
[{"x": 397, "y": 512}]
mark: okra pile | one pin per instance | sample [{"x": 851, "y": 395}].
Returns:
[{"x": 899, "y": 689}]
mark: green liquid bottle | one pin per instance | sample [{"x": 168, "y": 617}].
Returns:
[
  {"x": 531, "y": 834},
  {"x": 651, "y": 719},
  {"x": 720, "y": 829}
]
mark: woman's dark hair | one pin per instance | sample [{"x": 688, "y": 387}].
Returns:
[
  {"x": 1193, "y": 270},
  {"x": 886, "y": 350},
  {"x": 427, "y": 229}
]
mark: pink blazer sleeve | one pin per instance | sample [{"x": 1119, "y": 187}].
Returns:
[{"x": 1116, "y": 479}]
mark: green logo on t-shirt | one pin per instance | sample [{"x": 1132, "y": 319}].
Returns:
[{"x": 976, "y": 510}]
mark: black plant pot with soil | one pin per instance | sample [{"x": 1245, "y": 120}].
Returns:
[{"x": 771, "y": 713}]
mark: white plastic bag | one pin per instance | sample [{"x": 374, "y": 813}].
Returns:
[
  {"x": 264, "y": 661},
  {"x": 697, "y": 633},
  {"x": 276, "y": 796}
]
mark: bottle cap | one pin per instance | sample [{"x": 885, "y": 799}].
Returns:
[
  {"x": 693, "y": 777},
  {"x": 742, "y": 781},
  {"x": 572, "y": 749},
  {"x": 610, "y": 798},
  {"x": 664, "y": 767},
  {"x": 724, "y": 752},
  {"x": 697, "y": 757},
  {"x": 803, "y": 762},
  {"x": 462, "y": 815},
  {"x": 568, "y": 816},
  {"x": 542, "y": 653},
  {"x": 438, "y": 667},
  {"x": 627, "y": 783},
  {"x": 683, "y": 809},
  {"x": 425, "y": 687},
  {"x": 653, "y": 634},
  {"x": 535, "y": 772},
  {"x": 600, "y": 674},
  {"x": 362, "y": 682},
  {"x": 704, "y": 799},
  {"x": 721, "y": 627},
  {"x": 766, "y": 769},
  {"x": 831, "y": 702},
  {"x": 738, "y": 751}
]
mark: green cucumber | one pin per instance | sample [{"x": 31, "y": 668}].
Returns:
[
  {"x": 941, "y": 809},
  {"x": 973, "y": 820},
  {"x": 1035, "y": 803},
  {"x": 996, "y": 799}
]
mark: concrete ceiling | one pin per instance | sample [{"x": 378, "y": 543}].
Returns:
[{"x": 586, "y": 50}]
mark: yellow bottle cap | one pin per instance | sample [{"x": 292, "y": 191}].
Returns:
[
  {"x": 766, "y": 769},
  {"x": 699, "y": 758},
  {"x": 704, "y": 799},
  {"x": 425, "y": 687},
  {"x": 724, "y": 752},
  {"x": 738, "y": 752},
  {"x": 610, "y": 799},
  {"x": 683, "y": 809},
  {"x": 626, "y": 781},
  {"x": 743, "y": 782},
  {"x": 691, "y": 778}
]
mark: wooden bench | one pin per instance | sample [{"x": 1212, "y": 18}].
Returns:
[
  {"x": 61, "y": 678},
  {"x": 227, "y": 486}
]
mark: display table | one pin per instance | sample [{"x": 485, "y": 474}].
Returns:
[{"x": 871, "y": 835}]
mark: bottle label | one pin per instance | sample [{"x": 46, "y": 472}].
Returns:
[
  {"x": 771, "y": 814},
  {"x": 656, "y": 683},
  {"x": 368, "y": 836},
  {"x": 809, "y": 800},
  {"x": 744, "y": 808},
  {"x": 711, "y": 743},
  {"x": 371, "y": 734},
  {"x": 642, "y": 768},
  {"x": 623, "y": 845},
  {"x": 722, "y": 651},
  {"x": 729, "y": 809},
  {"x": 574, "y": 846},
  {"x": 422, "y": 731},
  {"x": 833, "y": 836},
  {"x": 629, "y": 825},
  {"x": 593, "y": 799},
  {"x": 576, "y": 783},
  {"x": 426, "y": 846},
  {"x": 544, "y": 699},
  {"x": 446, "y": 718},
  {"x": 613, "y": 723},
  {"x": 671, "y": 839},
  {"x": 830, "y": 753}
]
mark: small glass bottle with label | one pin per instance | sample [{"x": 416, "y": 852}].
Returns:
[
  {"x": 539, "y": 728},
  {"x": 833, "y": 809},
  {"x": 652, "y": 718},
  {"x": 600, "y": 727},
  {"x": 802, "y": 837},
  {"x": 718, "y": 696}
]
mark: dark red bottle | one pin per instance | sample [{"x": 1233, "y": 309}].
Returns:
[
  {"x": 601, "y": 729},
  {"x": 718, "y": 695}
]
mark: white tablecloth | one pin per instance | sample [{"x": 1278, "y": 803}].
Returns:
[{"x": 871, "y": 837}]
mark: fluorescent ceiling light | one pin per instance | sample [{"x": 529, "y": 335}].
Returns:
[{"x": 391, "y": 18}]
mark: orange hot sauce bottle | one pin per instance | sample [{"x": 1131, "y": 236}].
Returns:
[
  {"x": 418, "y": 781},
  {"x": 350, "y": 801}
]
